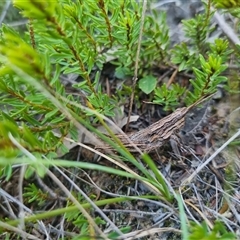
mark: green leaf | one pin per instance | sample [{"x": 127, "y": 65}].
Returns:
[
  {"x": 122, "y": 72},
  {"x": 36, "y": 9},
  {"x": 30, "y": 137},
  {"x": 147, "y": 84},
  {"x": 183, "y": 65},
  {"x": 51, "y": 114},
  {"x": 6, "y": 172},
  {"x": 57, "y": 119},
  {"x": 115, "y": 235},
  {"x": 29, "y": 172},
  {"x": 7, "y": 127}
]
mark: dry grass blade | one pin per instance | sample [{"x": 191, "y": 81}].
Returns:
[{"x": 22, "y": 233}]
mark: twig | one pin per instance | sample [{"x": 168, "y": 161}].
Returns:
[
  {"x": 135, "y": 78},
  {"x": 170, "y": 81}
]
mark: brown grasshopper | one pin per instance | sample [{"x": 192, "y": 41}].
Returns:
[{"x": 159, "y": 132}]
